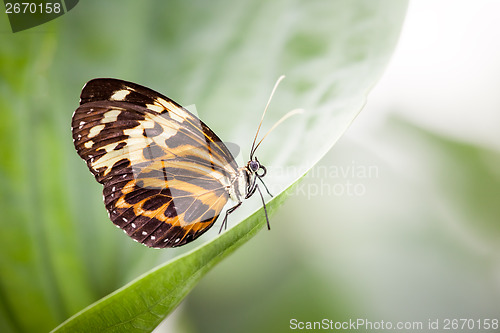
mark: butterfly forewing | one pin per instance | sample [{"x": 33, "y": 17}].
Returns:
[{"x": 165, "y": 173}]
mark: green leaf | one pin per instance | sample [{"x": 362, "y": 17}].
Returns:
[{"x": 62, "y": 253}]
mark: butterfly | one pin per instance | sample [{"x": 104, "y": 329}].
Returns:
[{"x": 166, "y": 175}]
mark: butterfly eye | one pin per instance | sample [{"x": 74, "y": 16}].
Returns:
[{"x": 254, "y": 166}]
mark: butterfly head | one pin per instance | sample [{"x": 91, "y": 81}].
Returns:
[
  {"x": 254, "y": 171},
  {"x": 255, "y": 168}
]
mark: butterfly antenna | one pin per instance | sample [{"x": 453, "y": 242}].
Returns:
[
  {"x": 285, "y": 117},
  {"x": 252, "y": 150}
]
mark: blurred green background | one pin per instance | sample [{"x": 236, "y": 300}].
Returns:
[{"x": 399, "y": 222}]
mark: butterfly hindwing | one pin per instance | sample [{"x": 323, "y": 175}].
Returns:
[{"x": 165, "y": 173}]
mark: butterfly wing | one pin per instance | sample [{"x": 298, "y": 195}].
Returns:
[{"x": 165, "y": 173}]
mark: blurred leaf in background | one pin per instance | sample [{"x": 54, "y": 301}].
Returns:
[{"x": 59, "y": 252}]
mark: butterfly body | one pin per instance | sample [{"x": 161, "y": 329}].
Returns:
[
  {"x": 167, "y": 176},
  {"x": 238, "y": 188}
]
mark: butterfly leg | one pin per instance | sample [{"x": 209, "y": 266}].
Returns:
[
  {"x": 265, "y": 187},
  {"x": 264, "y": 204},
  {"x": 229, "y": 211},
  {"x": 251, "y": 192}
]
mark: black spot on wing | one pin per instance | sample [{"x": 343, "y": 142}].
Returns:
[
  {"x": 181, "y": 139},
  {"x": 156, "y": 202},
  {"x": 152, "y": 132},
  {"x": 108, "y": 137},
  {"x": 120, "y": 145},
  {"x": 170, "y": 211},
  {"x": 153, "y": 151}
]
